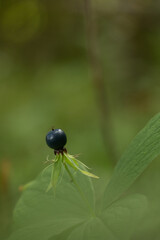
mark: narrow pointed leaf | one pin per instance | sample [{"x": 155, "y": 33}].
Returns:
[
  {"x": 56, "y": 167},
  {"x": 72, "y": 164},
  {"x": 82, "y": 164},
  {"x": 77, "y": 162},
  {"x": 88, "y": 174},
  {"x": 56, "y": 171},
  {"x": 143, "y": 149},
  {"x": 73, "y": 159}
]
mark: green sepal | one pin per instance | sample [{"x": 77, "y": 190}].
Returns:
[
  {"x": 56, "y": 172},
  {"x": 70, "y": 160},
  {"x": 77, "y": 162}
]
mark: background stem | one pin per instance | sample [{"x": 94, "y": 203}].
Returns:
[{"x": 98, "y": 80}]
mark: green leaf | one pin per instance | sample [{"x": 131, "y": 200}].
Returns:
[
  {"x": 118, "y": 222},
  {"x": 40, "y": 215},
  {"x": 143, "y": 149},
  {"x": 125, "y": 215},
  {"x": 92, "y": 229}
]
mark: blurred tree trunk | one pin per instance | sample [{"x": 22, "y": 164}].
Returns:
[{"x": 98, "y": 80}]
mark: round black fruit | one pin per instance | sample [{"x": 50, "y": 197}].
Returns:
[{"x": 56, "y": 139}]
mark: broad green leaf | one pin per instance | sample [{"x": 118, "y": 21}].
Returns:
[
  {"x": 94, "y": 229},
  {"x": 40, "y": 215},
  {"x": 124, "y": 216},
  {"x": 143, "y": 149},
  {"x": 117, "y": 222}
]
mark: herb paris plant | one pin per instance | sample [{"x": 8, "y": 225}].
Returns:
[
  {"x": 57, "y": 139},
  {"x": 41, "y": 215}
]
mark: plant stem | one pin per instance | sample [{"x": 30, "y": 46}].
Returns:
[
  {"x": 98, "y": 80},
  {"x": 79, "y": 190}
]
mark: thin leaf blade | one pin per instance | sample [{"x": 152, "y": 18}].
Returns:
[
  {"x": 74, "y": 164},
  {"x": 88, "y": 174},
  {"x": 143, "y": 149}
]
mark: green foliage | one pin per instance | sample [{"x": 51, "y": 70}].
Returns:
[
  {"x": 77, "y": 165},
  {"x": 123, "y": 217},
  {"x": 61, "y": 161},
  {"x": 143, "y": 149},
  {"x": 41, "y": 215},
  {"x": 56, "y": 172},
  {"x": 21, "y": 21},
  {"x": 65, "y": 214}
]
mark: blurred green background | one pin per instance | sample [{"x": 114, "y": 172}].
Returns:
[{"x": 46, "y": 81}]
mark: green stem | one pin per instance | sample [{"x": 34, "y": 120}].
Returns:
[{"x": 79, "y": 190}]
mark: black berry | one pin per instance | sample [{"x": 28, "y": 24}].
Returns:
[{"x": 56, "y": 139}]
